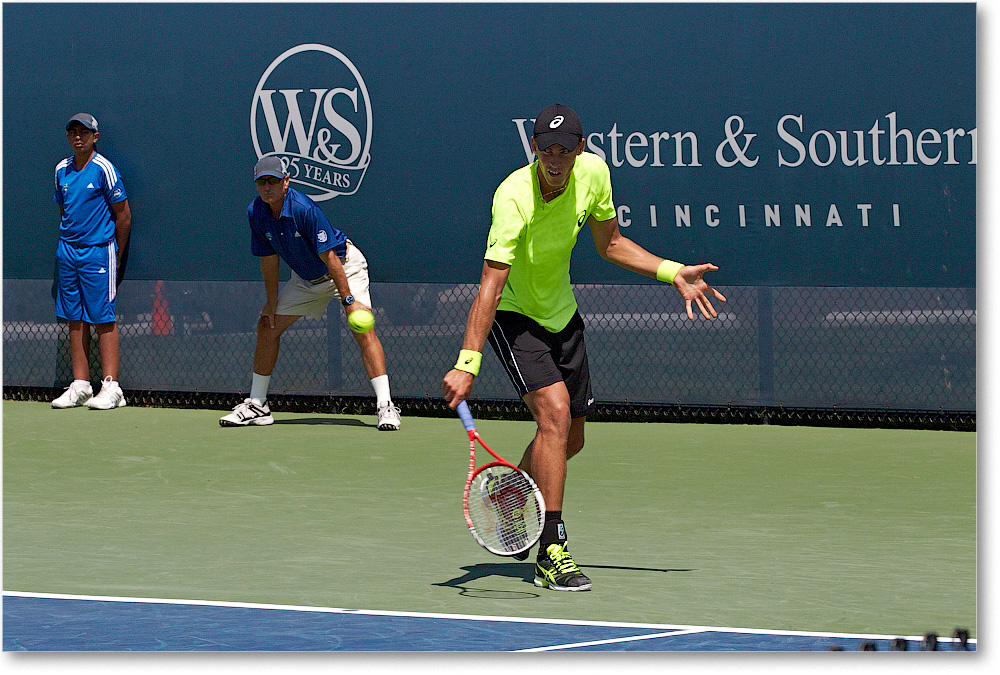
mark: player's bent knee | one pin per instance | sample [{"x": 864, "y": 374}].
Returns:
[
  {"x": 554, "y": 418},
  {"x": 281, "y": 324},
  {"x": 366, "y": 339},
  {"x": 557, "y": 404}
]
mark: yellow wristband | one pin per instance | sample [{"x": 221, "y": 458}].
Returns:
[
  {"x": 469, "y": 361},
  {"x": 667, "y": 270}
]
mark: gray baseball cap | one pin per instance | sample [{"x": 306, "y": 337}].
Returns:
[
  {"x": 86, "y": 119},
  {"x": 269, "y": 166}
]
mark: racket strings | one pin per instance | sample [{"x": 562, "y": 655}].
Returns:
[{"x": 506, "y": 514}]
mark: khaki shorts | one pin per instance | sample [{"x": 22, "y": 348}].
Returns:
[{"x": 302, "y": 298}]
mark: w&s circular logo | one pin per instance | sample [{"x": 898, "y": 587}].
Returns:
[{"x": 311, "y": 109}]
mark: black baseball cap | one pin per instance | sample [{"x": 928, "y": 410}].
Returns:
[
  {"x": 558, "y": 124},
  {"x": 86, "y": 119}
]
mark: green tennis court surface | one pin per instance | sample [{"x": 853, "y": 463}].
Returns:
[{"x": 783, "y": 528}]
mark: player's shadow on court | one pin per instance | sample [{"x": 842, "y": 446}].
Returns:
[
  {"x": 330, "y": 421},
  {"x": 516, "y": 570},
  {"x": 525, "y": 571}
]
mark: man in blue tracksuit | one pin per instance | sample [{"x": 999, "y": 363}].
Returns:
[{"x": 93, "y": 231}]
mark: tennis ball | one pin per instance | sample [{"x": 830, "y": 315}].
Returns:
[{"x": 361, "y": 320}]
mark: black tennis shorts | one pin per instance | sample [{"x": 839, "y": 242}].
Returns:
[{"x": 534, "y": 357}]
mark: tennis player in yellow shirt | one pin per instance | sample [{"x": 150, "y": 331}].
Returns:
[{"x": 527, "y": 310}]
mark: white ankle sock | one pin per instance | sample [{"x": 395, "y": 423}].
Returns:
[
  {"x": 258, "y": 389},
  {"x": 381, "y": 386}
]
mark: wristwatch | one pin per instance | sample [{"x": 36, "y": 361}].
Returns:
[{"x": 349, "y": 300}]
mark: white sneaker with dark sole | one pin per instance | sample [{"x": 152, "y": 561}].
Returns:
[
  {"x": 388, "y": 417},
  {"x": 248, "y": 413}
]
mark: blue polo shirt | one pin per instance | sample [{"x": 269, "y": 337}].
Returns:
[
  {"x": 298, "y": 235},
  {"x": 86, "y": 197}
]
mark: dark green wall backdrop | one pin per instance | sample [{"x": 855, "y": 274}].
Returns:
[{"x": 724, "y": 124}]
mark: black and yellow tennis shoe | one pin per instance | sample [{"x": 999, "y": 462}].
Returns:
[{"x": 556, "y": 571}]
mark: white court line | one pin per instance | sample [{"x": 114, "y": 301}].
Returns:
[
  {"x": 461, "y": 617},
  {"x": 632, "y": 638}
]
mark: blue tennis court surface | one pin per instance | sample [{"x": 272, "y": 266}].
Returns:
[{"x": 43, "y": 622}]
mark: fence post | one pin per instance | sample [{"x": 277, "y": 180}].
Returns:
[
  {"x": 765, "y": 344},
  {"x": 333, "y": 360}
]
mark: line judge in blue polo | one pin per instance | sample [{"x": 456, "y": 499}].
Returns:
[{"x": 286, "y": 225}]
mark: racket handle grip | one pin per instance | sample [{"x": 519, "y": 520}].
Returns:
[{"x": 465, "y": 415}]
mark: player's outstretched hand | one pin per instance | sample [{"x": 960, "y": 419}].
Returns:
[{"x": 694, "y": 290}]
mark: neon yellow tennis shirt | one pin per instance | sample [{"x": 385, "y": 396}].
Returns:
[{"x": 536, "y": 238}]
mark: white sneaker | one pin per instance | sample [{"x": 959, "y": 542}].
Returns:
[
  {"x": 109, "y": 397},
  {"x": 388, "y": 417},
  {"x": 77, "y": 393},
  {"x": 248, "y": 413}
]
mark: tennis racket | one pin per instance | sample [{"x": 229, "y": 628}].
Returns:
[{"x": 503, "y": 507}]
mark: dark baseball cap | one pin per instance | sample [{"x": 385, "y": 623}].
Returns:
[
  {"x": 269, "y": 166},
  {"x": 558, "y": 124},
  {"x": 86, "y": 119}
]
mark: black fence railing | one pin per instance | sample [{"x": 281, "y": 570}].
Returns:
[{"x": 774, "y": 354}]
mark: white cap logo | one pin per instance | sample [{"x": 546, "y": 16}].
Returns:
[{"x": 556, "y": 122}]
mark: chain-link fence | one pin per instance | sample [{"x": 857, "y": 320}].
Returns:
[{"x": 808, "y": 348}]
